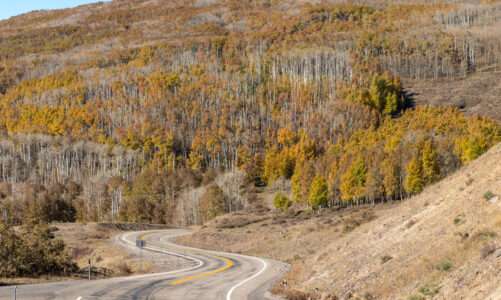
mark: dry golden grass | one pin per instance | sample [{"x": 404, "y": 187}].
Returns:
[
  {"x": 478, "y": 93},
  {"x": 92, "y": 241},
  {"x": 444, "y": 243},
  {"x": 95, "y": 241},
  {"x": 89, "y": 241}
]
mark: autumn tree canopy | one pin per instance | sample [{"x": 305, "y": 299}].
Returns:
[{"x": 116, "y": 112}]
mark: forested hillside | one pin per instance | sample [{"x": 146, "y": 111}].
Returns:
[{"x": 172, "y": 111}]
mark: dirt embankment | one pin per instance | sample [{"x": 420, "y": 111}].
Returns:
[{"x": 442, "y": 244}]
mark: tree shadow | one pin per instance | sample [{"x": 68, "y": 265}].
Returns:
[{"x": 409, "y": 99}]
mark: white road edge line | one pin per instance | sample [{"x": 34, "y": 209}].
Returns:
[
  {"x": 122, "y": 238},
  {"x": 233, "y": 288},
  {"x": 199, "y": 264},
  {"x": 154, "y": 249}
]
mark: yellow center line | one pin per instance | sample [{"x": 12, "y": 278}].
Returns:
[
  {"x": 141, "y": 236},
  {"x": 228, "y": 264}
]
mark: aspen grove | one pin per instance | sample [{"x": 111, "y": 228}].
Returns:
[{"x": 137, "y": 111}]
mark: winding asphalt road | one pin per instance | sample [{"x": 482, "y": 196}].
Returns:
[{"x": 205, "y": 275}]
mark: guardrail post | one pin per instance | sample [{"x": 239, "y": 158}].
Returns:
[
  {"x": 140, "y": 244},
  {"x": 90, "y": 268}
]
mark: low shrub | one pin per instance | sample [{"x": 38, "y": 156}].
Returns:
[
  {"x": 489, "y": 195},
  {"x": 445, "y": 265},
  {"x": 123, "y": 268},
  {"x": 281, "y": 202},
  {"x": 32, "y": 251},
  {"x": 429, "y": 290},
  {"x": 458, "y": 220},
  {"x": 485, "y": 235},
  {"x": 386, "y": 259}
]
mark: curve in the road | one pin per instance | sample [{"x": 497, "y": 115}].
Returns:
[
  {"x": 233, "y": 288},
  {"x": 199, "y": 263},
  {"x": 228, "y": 264},
  {"x": 208, "y": 275},
  {"x": 241, "y": 283}
]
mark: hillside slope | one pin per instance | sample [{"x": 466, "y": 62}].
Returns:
[
  {"x": 170, "y": 111},
  {"x": 444, "y": 243}
]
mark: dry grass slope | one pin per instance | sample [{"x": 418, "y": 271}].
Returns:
[
  {"x": 444, "y": 243},
  {"x": 98, "y": 242}
]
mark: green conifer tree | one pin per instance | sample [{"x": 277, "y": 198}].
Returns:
[
  {"x": 319, "y": 192},
  {"x": 414, "y": 182},
  {"x": 353, "y": 181},
  {"x": 431, "y": 169},
  {"x": 281, "y": 202}
]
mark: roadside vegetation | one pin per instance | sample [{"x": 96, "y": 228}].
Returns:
[
  {"x": 148, "y": 129},
  {"x": 31, "y": 252},
  {"x": 416, "y": 249},
  {"x": 179, "y": 113}
]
